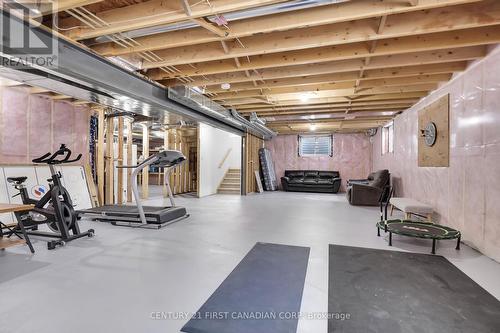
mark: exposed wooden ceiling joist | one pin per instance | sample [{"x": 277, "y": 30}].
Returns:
[
  {"x": 323, "y": 100},
  {"x": 186, "y": 7},
  {"x": 311, "y": 81},
  {"x": 299, "y": 107},
  {"x": 327, "y": 121},
  {"x": 347, "y": 66},
  {"x": 342, "y": 12},
  {"x": 453, "y": 51},
  {"x": 207, "y": 25},
  {"x": 345, "y": 33},
  {"x": 46, "y": 7},
  {"x": 394, "y": 107},
  {"x": 280, "y": 94},
  {"x": 153, "y": 13},
  {"x": 332, "y": 126}
]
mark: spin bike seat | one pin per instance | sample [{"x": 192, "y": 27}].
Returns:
[{"x": 17, "y": 180}]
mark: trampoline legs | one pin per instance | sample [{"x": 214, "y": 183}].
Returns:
[
  {"x": 458, "y": 244},
  {"x": 390, "y": 238},
  {"x": 433, "y": 246},
  {"x": 378, "y": 231}
]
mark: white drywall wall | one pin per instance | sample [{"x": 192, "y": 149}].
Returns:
[{"x": 214, "y": 145}]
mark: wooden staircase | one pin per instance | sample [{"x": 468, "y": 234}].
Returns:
[{"x": 231, "y": 184}]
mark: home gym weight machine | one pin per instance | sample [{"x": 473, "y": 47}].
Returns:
[
  {"x": 139, "y": 215},
  {"x": 54, "y": 208}
]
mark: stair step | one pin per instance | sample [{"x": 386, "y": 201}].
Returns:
[
  {"x": 230, "y": 183},
  {"x": 231, "y": 179},
  {"x": 230, "y": 186},
  {"x": 224, "y": 191}
]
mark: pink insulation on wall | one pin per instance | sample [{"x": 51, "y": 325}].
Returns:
[
  {"x": 40, "y": 126},
  {"x": 32, "y": 125},
  {"x": 464, "y": 195},
  {"x": 351, "y": 156},
  {"x": 63, "y": 123},
  {"x": 14, "y": 129}
]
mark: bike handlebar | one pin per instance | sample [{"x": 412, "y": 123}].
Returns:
[{"x": 63, "y": 150}]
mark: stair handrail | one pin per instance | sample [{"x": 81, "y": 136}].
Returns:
[{"x": 225, "y": 157}]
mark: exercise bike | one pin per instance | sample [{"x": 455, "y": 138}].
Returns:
[{"x": 55, "y": 208}]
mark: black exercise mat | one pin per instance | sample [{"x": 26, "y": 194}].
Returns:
[
  {"x": 388, "y": 291},
  {"x": 264, "y": 288}
]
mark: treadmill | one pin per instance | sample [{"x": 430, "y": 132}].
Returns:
[{"x": 139, "y": 215}]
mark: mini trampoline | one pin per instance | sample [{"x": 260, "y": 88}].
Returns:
[{"x": 417, "y": 229}]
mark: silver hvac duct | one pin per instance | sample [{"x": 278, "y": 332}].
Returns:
[
  {"x": 255, "y": 118},
  {"x": 254, "y": 126},
  {"x": 260, "y": 123},
  {"x": 234, "y": 16},
  {"x": 195, "y": 100},
  {"x": 189, "y": 97}
]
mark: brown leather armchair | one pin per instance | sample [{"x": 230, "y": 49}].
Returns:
[{"x": 369, "y": 192}]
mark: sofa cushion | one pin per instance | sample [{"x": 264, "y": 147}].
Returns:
[
  {"x": 328, "y": 174},
  {"x": 325, "y": 181},
  {"x": 310, "y": 180},
  {"x": 296, "y": 180},
  {"x": 312, "y": 174},
  {"x": 293, "y": 174}
]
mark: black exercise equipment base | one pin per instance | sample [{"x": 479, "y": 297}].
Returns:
[
  {"x": 128, "y": 215},
  {"x": 417, "y": 229},
  {"x": 136, "y": 224}
]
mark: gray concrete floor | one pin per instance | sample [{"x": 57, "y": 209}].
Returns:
[{"x": 114, "y": 281}]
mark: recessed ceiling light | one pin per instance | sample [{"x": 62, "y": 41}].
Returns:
[
  {"x": 312, "y": 127},
  {"x": 225, "y": 86}
]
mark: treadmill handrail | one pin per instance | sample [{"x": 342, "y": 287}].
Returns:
[{"x": 135, "y": 190}]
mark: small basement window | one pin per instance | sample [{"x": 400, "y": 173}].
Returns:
[
  {"x": 388, "y": 138},
  {"x": 315, "y": 145}
]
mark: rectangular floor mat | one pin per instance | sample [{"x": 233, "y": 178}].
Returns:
[
  {"x": 386, "y": 291},
  {"x": 260, "y": 295}
]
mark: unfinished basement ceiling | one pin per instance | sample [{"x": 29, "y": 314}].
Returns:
[{"x": 342, "y": 65}]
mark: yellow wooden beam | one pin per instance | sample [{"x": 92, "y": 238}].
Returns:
[
  {"x": 323, "y": 100},
  {"x": 397, "y": 26},
  {"x": 312, "y": 112},
  {"x": 120, "y": 171},
  {"x": 130, "y": 125},
  {"x": 204, "y": 23},
  {"x": 245, "y": 109},
  {"x": 37, "y": 90},
  {"x": 325, "y": 90},
  {"x": 100, "y": 159},
  {"x": 110, "y": 168},
  {"x": 328, "y": 62},
  {"x": 145, "y": 154},
  {"x": 153, "y": 13},
  {"x": 186, "y": 7},
  {"x": 334, "y": 81},
  {"x": 334, "y": 13},
  {"x": 46, "y": 7}
]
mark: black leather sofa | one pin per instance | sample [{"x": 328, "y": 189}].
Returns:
[{"x": 311, "y": 181}]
